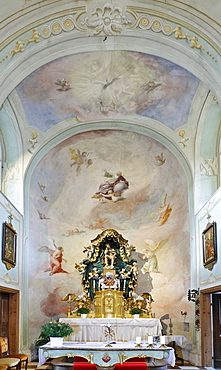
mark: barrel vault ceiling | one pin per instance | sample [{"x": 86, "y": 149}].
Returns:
[{"x": 150, "y": 66}]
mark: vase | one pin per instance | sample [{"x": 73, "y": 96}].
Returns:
[
  {"x": 83, "y": 315},
  {"x": 136, "y": 316},
  {"x": 56, "y": 341}
]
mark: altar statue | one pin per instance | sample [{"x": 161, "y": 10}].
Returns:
[{"x": 109, "y": 256}]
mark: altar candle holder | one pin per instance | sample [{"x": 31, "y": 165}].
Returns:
[
  {"x": 162, "y": 341},
  {"x": 138, "y": 342},
  {"x": 150, "y": 341}
]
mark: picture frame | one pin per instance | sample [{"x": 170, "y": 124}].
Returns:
[
  {"x": 209, "y": 245},
  {"x": 9, "y": 245}
]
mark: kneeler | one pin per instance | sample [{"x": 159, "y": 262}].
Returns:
[
  {"x": 132, "y": 364},
  {"x": 81, "y": 363}
]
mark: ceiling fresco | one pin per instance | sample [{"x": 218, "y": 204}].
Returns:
[{"x": 110, "y": 84}]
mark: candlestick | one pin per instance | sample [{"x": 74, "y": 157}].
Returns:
[
  {"x": 162, "y": 339},
  {"x": 150, "y": 341},
  {"x": 138, "y": 340}
]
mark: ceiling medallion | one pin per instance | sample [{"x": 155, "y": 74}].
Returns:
[{"x": 107, "y": 20}]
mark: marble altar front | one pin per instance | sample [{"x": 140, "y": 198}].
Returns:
[{"x": 105, "y": 357}]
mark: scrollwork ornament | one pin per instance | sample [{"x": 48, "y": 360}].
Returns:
[
  {"x": 56, "y": 27},
  {"x": 144, "y": 22},
  {"x": 20, "y": 45},
  {"x": 155, "y": 24}
]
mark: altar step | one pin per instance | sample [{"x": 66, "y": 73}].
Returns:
[{"x": 178, "y": 366}]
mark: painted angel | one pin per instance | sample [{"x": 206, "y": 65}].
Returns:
[
  {"x": 149, "y": 256},
  {"x": 55, "y": 260},
  {"x": 79, "y": 159}
]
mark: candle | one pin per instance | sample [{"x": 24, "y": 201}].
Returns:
[
  {"x": 150, "y": 339},
  {"x": 163, "y": 339},
  {"x": 138, "y": 340}
]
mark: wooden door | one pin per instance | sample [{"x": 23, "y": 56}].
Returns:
[
  {"x": 216, "y": 301},
  {"x": 4, "y": 314},
  {"x": 9, "y": 317}
]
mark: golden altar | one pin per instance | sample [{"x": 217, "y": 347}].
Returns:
[{"x": 109, "y": 278}]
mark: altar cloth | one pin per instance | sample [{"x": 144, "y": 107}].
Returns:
[{"x": 92, "y": 329}]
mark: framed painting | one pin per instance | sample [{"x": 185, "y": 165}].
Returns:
[
  {"x": 9, "y": 244},
  {"x": 209, "y": 246}
]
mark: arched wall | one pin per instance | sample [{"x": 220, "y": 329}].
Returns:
[{"x": 59, "y": 187}]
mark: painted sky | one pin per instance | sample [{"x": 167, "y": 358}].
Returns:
[{"x": 98, "y": 85}]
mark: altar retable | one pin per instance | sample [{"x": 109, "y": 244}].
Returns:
[{"x": 109, "y": 278}]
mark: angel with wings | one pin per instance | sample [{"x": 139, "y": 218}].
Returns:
[
  {"x": 149, "y": 256},
  {"x": 55, "y": 260},
  {"x": 79, "y": 159}
]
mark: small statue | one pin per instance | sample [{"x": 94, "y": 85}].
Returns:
[{"x": 109, "y": 256}]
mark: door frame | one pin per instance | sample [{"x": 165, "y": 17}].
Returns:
[
  {"x": 13, "y": 329},
  {"x": 206, "y": 324}
]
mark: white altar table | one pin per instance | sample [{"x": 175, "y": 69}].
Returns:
[
  {"x": 91, "y": 330},
  {"x": 103, "y": 356},
  {"x": 177, "y": 339}
]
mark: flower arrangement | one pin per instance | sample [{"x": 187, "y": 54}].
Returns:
[
  {"x": 83, "y": 310},
  {"x": 136, "y": 311},
  {"x": 53, "y": 329}
]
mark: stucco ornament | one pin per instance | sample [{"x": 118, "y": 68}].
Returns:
[{"x": 108, "y": 20}]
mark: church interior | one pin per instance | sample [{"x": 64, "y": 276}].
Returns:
[{"x": 110, "y": 190}]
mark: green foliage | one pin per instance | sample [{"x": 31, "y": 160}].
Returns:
[
  {"x": 83, "y": 310},
  {"x": 136, "y": 311},
  {"x": 53, "y": 329}
]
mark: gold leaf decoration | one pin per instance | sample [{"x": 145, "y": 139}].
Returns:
[{"x": 20, "y": 45}]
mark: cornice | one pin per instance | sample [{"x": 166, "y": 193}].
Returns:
[
  {"x": 39, "y": 22},
  {"x": 131, "y": 8},
  {"x": 112, "y": 21},
  {"x": 178, "y": 21},
  {"x": 198, "y": 14}
]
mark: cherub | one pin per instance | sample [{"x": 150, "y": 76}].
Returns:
[
  {"x": 80, "y": 159},
  {"x": 64, "y": 85},
  {"x": 160, "y": 160}
]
